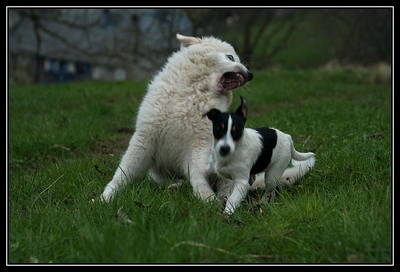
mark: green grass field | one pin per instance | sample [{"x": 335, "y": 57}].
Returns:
[{"x": 65, "y": 142}]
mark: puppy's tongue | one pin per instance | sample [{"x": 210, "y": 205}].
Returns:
[{"x": 231, "y": 80}]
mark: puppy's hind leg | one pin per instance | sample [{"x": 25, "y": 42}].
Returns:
[
  {"x": 134, "y": 163},
  {"x": 271, "y": 180},
  {"x": 258, "y": 183}
]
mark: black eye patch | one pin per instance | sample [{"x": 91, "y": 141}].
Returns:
[
  {"x": 236, "y": 133},
  {"x": 219, "y": 130},
  {"x": 220, "y": 125},
  {"x": 237, "y": 127}
]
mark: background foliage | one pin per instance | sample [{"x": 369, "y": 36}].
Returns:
[{"x": 138, "y": 40}]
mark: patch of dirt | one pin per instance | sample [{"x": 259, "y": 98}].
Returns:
[{"x": 114, "y": 146}]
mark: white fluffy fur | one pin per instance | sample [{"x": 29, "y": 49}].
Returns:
[{"x": 171, "y": 137}]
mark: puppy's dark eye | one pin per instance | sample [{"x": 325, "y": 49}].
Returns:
[
  {"x": 236, "y": 133},
  {"x": 230, "y": 57}
]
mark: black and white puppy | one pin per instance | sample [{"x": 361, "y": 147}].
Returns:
[{"x": 240, "y": 153}]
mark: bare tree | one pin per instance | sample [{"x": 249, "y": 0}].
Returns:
[
  {"x": 353, "y": 35},
  {"x": 273, "y": 27},
  {"x": 246, "y": 28},
  {"x": 206, "y": 22},
  {"x": 357, "y": 36},
  {"x": 138, "y": 41}
]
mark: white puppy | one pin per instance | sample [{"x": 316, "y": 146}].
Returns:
[
  {"x": 171, "y": 137},
  {"x": 240, "y": 153}
]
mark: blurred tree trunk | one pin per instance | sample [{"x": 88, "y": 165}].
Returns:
[
  {"x": 273, "y": 27},
  {"x": 248, "y": 27},
  {"x": 35, "y": 18},
  {"x": 358, "y": 36}
]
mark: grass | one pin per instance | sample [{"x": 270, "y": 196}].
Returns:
[{"x": 65, "y": 142}]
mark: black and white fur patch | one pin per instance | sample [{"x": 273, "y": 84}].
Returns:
[{"x": 240, "y": 153}]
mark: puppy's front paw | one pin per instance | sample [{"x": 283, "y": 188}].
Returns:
[
  {"x": 100, "y": 199},
  {"x": 107, "y": 194},
  {"x": 105, "y": 198},
  {"x": 229, "y": 209}
]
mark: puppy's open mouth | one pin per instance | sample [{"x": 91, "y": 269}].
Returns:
[{"x": 232, "y": 80}]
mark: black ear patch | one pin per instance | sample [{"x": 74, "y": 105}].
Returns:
[
  {"x": 212, "y": 114},
  {"x": 243, "y": 108}
]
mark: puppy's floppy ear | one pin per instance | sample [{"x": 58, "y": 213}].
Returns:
[
  {"x": 211, "y": 114},
  {"x": 243, "y": 108},
  {"x": 187, "y": 41}
]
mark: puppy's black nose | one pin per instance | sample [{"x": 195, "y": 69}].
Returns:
[
  {"x": 249, "y": 76},
  {"x": 224, "y": 150}
]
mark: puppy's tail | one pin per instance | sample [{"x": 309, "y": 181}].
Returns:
[
  {"x": 301, "y": 164},
  {"x": 299, "y": 169}
]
